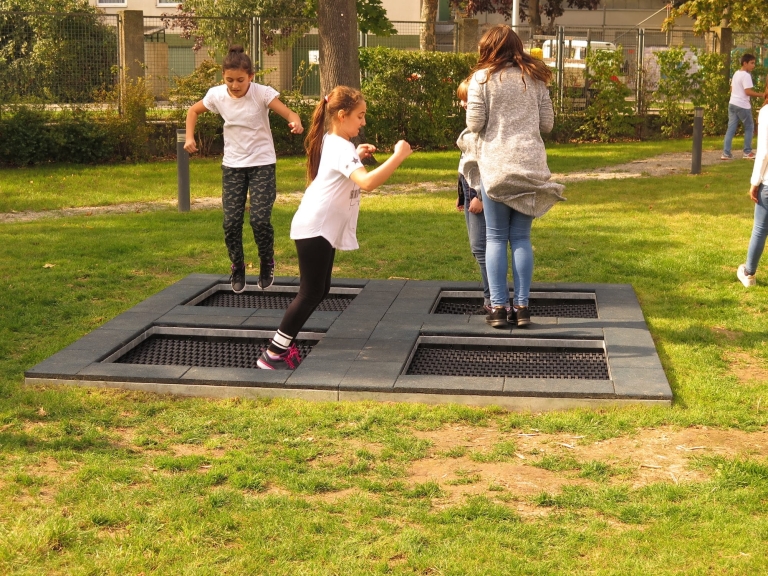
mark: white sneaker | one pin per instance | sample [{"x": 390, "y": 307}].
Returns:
[{"x": 747, "y": 279}]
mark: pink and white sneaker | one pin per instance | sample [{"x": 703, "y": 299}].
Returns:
[{"x": 288, "y": 360}]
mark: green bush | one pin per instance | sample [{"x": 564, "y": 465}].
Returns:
[
  {"x": 191, "y": 89},
  {"x": 713, "y": 92},
  {"x": 34, "y": 136},
  {"x": 677, "y": 85},
  {"x": 609, "y": 116},
  {"x": 128, "y": 131},
  {"x": 25, "y": 137},
  {"x": 79, "y": 138},
  {"x": 287, "y": 144},
  {"x": 411, "y": 95}
]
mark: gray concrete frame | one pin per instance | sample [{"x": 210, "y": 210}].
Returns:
[{"x": 362, "y": 352}]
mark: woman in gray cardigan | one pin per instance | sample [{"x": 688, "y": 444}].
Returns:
[{"x": 508, "y": 109}]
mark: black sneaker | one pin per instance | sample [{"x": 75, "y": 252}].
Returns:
[
  {"x": 498, "y": 317},
  {"x": 520, "y": 316},
  {"x": 237, "y": 278},
  {"x": 288, "y": 360},
  {"x": 266, "y": 273}
]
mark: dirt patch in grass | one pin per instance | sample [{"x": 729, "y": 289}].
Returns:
[
  {"x": 196, "y": 450},
  {"x": 747, "y": 368},
  {"x": 549, "y": 462},
  {"x": 662, "y": 165},
  {"x": 729, "y": 335}
]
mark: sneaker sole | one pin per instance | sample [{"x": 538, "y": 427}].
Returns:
[
  {"x": 238, "y": 291},
  {"x": 497, "y": 323},
  {"x": 523, "y": 323},
  {"x": 272, "y": 281},
  {"x": 263, "y": 365}
]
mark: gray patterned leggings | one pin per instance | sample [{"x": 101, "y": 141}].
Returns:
[{"x": 235, "y": 183}]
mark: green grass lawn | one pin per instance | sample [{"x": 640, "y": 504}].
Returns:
[
  {"x": 112, "y": 482},
  {"x": 67, "y": 186}
]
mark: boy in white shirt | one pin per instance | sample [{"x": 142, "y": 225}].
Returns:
[{"x": 740, "y": 108}]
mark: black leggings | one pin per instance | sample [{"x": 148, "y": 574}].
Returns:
[{"x": 315, "y": 267}]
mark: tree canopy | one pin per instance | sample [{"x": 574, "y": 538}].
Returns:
[
  {"x": 740, "y": 15},
  {"x": 530, "y": 10},
  {"x": 370, "y": 13},
  {"x": 281, "y": 20}
]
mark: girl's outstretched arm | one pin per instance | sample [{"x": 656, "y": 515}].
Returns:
[
  {"x": 371, "y": 180},
  {"x": 294, "y": 122},
  {"x": 194, "y": 111}
]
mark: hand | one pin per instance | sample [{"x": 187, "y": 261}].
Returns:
[
  {"x": 296, "y": 127},
  {"x": 476, "y": 206},
  {"x": 190, "y": 145},
  {"x": 460, "y": 207},
  {"x": 365, "y": 151},
  {"x": 753, "y": 193},
  {"x": 402, "y": 148}
]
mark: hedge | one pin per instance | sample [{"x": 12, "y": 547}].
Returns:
[{"x": 411, "y": 95}]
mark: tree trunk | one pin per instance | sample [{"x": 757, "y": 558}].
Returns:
[
  {"x": 427, "y": 39},
  {"x": 339, "y": 59},
  {"x": 534, "y": 15}
]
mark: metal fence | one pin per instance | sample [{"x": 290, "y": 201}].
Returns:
[
  {"x": 566, "y": 52},
  {"x": 285, "y": 52},
  {"x": 73, "y": 58},
  {"x": 56, "y": 58}
]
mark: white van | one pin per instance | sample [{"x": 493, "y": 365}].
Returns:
[
  {"x": 575, "y": 49},
  {"x": 574, "y": 57}
]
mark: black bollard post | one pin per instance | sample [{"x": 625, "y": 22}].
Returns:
[
  {"x": 698, "y": 136},
  {"x": 182, "y": 169}
]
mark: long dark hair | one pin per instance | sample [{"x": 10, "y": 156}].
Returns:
[
  {"x": 501, "y": 47},
  {"x": 340, "y": 98},
  {"x": 237, "y": 59}
]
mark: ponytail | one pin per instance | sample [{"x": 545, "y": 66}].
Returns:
[
  {"x": 340, "y": 98},
  {"x": 313, "y": 143}
]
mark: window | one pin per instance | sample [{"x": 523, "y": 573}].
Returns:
[
  {"x": 444, "y": 11},
  {"x": 112, "y": 3}
]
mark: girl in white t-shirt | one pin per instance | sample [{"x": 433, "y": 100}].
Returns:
[
  {"x": 249, "y": 160},
  {"x": 327, "y": 217}
]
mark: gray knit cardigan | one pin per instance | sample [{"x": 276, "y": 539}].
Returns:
[{"x": 502, "y": 143}]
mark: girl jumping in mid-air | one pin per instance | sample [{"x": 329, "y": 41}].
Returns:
[
  {"x": 249, "y": 159},
  {"x": 327, "y": 216}
]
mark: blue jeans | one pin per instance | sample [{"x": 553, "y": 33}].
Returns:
[
  {"x": 759, "y": 230},
  {"x": 737, "y": 114},
  {"x": 505, "y": 226},
  {"x": 476, "y": 231}
]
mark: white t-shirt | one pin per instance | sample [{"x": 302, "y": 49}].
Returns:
[
  {"x": 741, "y": 80},
  {"x": 247, "y": 137},
  {"x": 760, "y": 170},
  {"x": 331, "y": 203}
]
